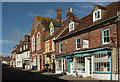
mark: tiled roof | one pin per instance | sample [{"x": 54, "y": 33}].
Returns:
[
  {"x": 46, "y": 21},
  {"x": 56, "y": 30},
  {"x": 87, "y": 21}
]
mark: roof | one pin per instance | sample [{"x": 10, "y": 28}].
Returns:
[
  {"x": 56, "y": 30},
  {"x": 87, "y": 21},
  {"x": 46, "y": 21}
]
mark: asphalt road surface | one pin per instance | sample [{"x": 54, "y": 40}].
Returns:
[{"x": 9, "y": 73}]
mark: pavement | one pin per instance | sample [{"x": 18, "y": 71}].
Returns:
[
  {"x": 64, "y": 77},
  {"x": 9, "y": 73}
]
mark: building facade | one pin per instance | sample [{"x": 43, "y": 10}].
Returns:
[
  {"x": 91, "y": 47},
  {"x": 13, "y": 57},
  {"x": 23, "y": 53},
  {"x": 42, "y": 45}
]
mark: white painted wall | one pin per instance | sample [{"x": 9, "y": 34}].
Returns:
[
  {"x": 102, "y": 76},
  {"x": 18, "y": 59}
]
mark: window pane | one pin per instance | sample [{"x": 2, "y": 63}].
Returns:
[
  {"x": 108, "y": 39},
  {"x": 107, "y": 32},
  {"x": 105, "y": 40},
  {"x": 98, "y": 14}
]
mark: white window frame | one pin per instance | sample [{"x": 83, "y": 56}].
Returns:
[
  {"x": 47, "y": 46},
  {"x": 100, "y": 63},
  {"x": 38, "y": 41},
  {"x": 94, "y": 18},
  {"x": 53, "y": 44},
  {"x": 20, "y": 48},
  {"x": 71, "y": 25},
  {"x": 103, "y": 42},
  {"x": 33, "y": 43},
  {"x": 78, "y": 43},
  {"x": 60, "y": 48},
  {"x": 26, "y": 46}
]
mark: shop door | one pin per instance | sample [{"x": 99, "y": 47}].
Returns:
[
  {"x": 71, "y": 67},
  {"x": 40, "y": 63},
  {"x": 89, "y": 66}
]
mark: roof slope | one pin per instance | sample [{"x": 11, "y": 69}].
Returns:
[
  {"x": 87, "y": 21},
  {"x": 46, "y": 21}
]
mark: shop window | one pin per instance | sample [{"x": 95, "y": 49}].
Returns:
[
  {"x": 102, "y": 63},
  {"x": 80, "y": 64},
  {"x": 59, "y": 64}
]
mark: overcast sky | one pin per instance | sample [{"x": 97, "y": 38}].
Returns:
[{"x": 18, "y": 17}]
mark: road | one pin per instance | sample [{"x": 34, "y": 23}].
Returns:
[{"x": 9, "y": 73}]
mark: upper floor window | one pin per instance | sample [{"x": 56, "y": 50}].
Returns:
[
  {"x": 85, "y": 43},
  {"x": 97, "y": 15},
  {"x": 20, "y": 48},
  {"x": 47, "y": 46},
  {"x": 60, "y": 48},
  {"x": 26, "y": 46},
  {"x": 38, "y": 41},
  {"x": 51, "y": 28},
  {"x": 71, "y": 26},
  {"x": 33, "y": 43},
  {"x": 106, "y": 36},
  {"x": 78, "y": 43},
  {"x": 53, "y": 44}
]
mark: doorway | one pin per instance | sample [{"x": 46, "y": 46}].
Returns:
[
  {"x": 40, "y": 63},
  {"x": 88, "y": 66}
]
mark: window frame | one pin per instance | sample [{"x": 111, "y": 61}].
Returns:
[
  {"x": 38, "y": 41},
  {"x": 70, "y": 26},
  {"x": 77, "y": 43},
  {"x": 60, "y": 47},
  {"x": 99, "y": 67},
  {"x": 96, "y": 12},
  {"x": 47, "y": 46},
  {"x": 33, "y": 42},
  {"x": 103, "y": 43}
]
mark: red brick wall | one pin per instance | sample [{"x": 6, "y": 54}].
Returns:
[{"x": 95, "y": 40}]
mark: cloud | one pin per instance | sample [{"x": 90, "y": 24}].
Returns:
[
  {"x": 84, "y": 5},
  {"x": 50, "y": 13},
  {"x": 15, "y": 34}
]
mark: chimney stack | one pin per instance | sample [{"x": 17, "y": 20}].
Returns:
[
  {"x": 59, "y": 15},
  {"x": 20, "y": 41}
]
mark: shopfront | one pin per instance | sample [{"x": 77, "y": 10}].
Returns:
[
  {"x": 59, "y": 64},
  {"x": 95, "y": 63}
]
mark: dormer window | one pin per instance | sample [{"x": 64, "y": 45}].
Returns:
[
  {"x": 96, "y": 15},
  {"x": 71, "y": 26},
  {"x": 51, "y": 28}
]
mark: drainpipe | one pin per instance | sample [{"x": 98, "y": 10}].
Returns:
[{"x": 118, "y": 20}]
